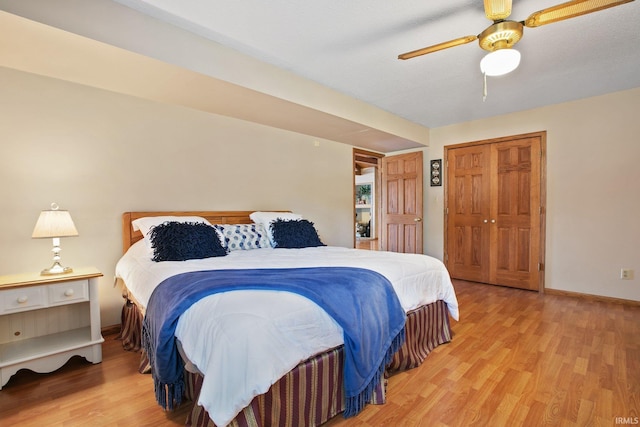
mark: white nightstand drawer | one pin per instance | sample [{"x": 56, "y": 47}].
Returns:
[
  {"x": 22, "y": 299},
  {"x": 68, "y": 292}
]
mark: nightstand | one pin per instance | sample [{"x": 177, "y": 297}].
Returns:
[{"x": 45, "y": 320}]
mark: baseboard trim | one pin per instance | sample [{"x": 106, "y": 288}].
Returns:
[
  {"x": 110, "y": 330},
  {"x": 592, "y": 297}
]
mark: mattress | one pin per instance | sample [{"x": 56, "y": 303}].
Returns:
[{"x": 244, "y": 341}]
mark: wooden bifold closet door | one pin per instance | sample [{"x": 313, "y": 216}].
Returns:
[{"x": 494, "y": 217}]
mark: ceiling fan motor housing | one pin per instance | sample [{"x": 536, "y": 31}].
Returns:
[{"x": 501, "y": 35}]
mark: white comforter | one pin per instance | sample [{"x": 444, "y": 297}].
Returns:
[{"x": 244, "y": 341}]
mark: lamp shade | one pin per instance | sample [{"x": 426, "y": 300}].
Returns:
[
  {"x": 499, "y": 62},
  {"x": 54, "y": 223}
]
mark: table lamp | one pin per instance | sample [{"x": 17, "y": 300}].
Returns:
[{"x": 55, "y": 223}]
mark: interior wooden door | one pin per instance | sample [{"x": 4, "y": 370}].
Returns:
[
  {"x": 494, "y": 217},
  {"x": 402, "y": 203},
  {"x": 468, "y": 195},
  {"x": 516, "y": 211}
]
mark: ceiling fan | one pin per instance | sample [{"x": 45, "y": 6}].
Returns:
[{"x": 503, "y": 34}]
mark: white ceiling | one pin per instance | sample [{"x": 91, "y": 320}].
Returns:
[{"x": 352, "y": 47}]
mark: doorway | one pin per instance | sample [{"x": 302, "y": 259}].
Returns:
[
  {"x": 388, "y": 201},
  {"x": 494, "y": 211},
  {"x": 366, "y": 182}
]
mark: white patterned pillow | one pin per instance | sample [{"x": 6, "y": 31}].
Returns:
[{"x": 243, "y": 236}]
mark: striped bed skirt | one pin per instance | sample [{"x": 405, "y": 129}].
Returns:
[{"x": 311, "y": 393}]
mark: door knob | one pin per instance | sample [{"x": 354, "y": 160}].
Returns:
[
  {"x": 485, "y": 221},
  {"x": 417, "y": 219},
  {"x": 493, "y": 221}
]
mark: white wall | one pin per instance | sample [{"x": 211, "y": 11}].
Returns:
[
  {"x": 593, "y": 189},
  {"x": 99, "y": 154}
]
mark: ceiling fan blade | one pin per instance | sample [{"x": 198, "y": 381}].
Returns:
[
  {"x": 569, "y": 10},
  {"x": 437, "y": 47},
  {"x": 497, "y": 10}
]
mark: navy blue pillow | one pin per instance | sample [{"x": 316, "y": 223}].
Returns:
[
  {"x": 180, "y": 241},
  {"x": 294, "y": 234}
]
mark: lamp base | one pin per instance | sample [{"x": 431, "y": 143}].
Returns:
[{"x": 56, "y": 268}]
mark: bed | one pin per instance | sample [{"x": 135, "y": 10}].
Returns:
[{"x": 304, "y": 386}]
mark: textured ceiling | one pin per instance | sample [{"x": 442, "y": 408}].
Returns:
[{"x": 352, "y": 47}]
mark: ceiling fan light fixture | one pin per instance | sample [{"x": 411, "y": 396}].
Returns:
[
  {"x": 497, "y": 9},
  {"x": 500, "y": 62}
]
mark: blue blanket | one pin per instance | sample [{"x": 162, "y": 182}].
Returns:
[{"x": 361, "y": 301}]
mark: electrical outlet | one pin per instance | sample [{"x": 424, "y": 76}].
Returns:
[{"x": 626, "y": 274}]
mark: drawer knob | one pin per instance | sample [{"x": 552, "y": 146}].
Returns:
[
  {"x": 68, "y": 293},
  {"x": 22, "y": 299}
]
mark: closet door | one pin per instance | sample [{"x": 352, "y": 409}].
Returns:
[
  {"x": 468, "y": 194},
  {"x": 494, "y": 216},
  {"x": 515, "y": 213}
]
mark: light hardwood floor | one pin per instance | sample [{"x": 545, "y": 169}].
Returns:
[{"x": 516, "y": 358}]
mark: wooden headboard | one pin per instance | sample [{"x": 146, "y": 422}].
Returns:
[{"x": 129, "y": 237}]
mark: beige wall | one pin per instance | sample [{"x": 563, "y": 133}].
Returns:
[
  {"x": 105, "y": 44},
  {"x": 99, "y": 154},
  {"x": 593, "y": 189}
]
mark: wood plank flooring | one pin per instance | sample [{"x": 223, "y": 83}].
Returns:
[{"x": 517, "y": 358}]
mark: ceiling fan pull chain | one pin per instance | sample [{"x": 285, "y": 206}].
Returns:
[{"x": 484, "y": 88}]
